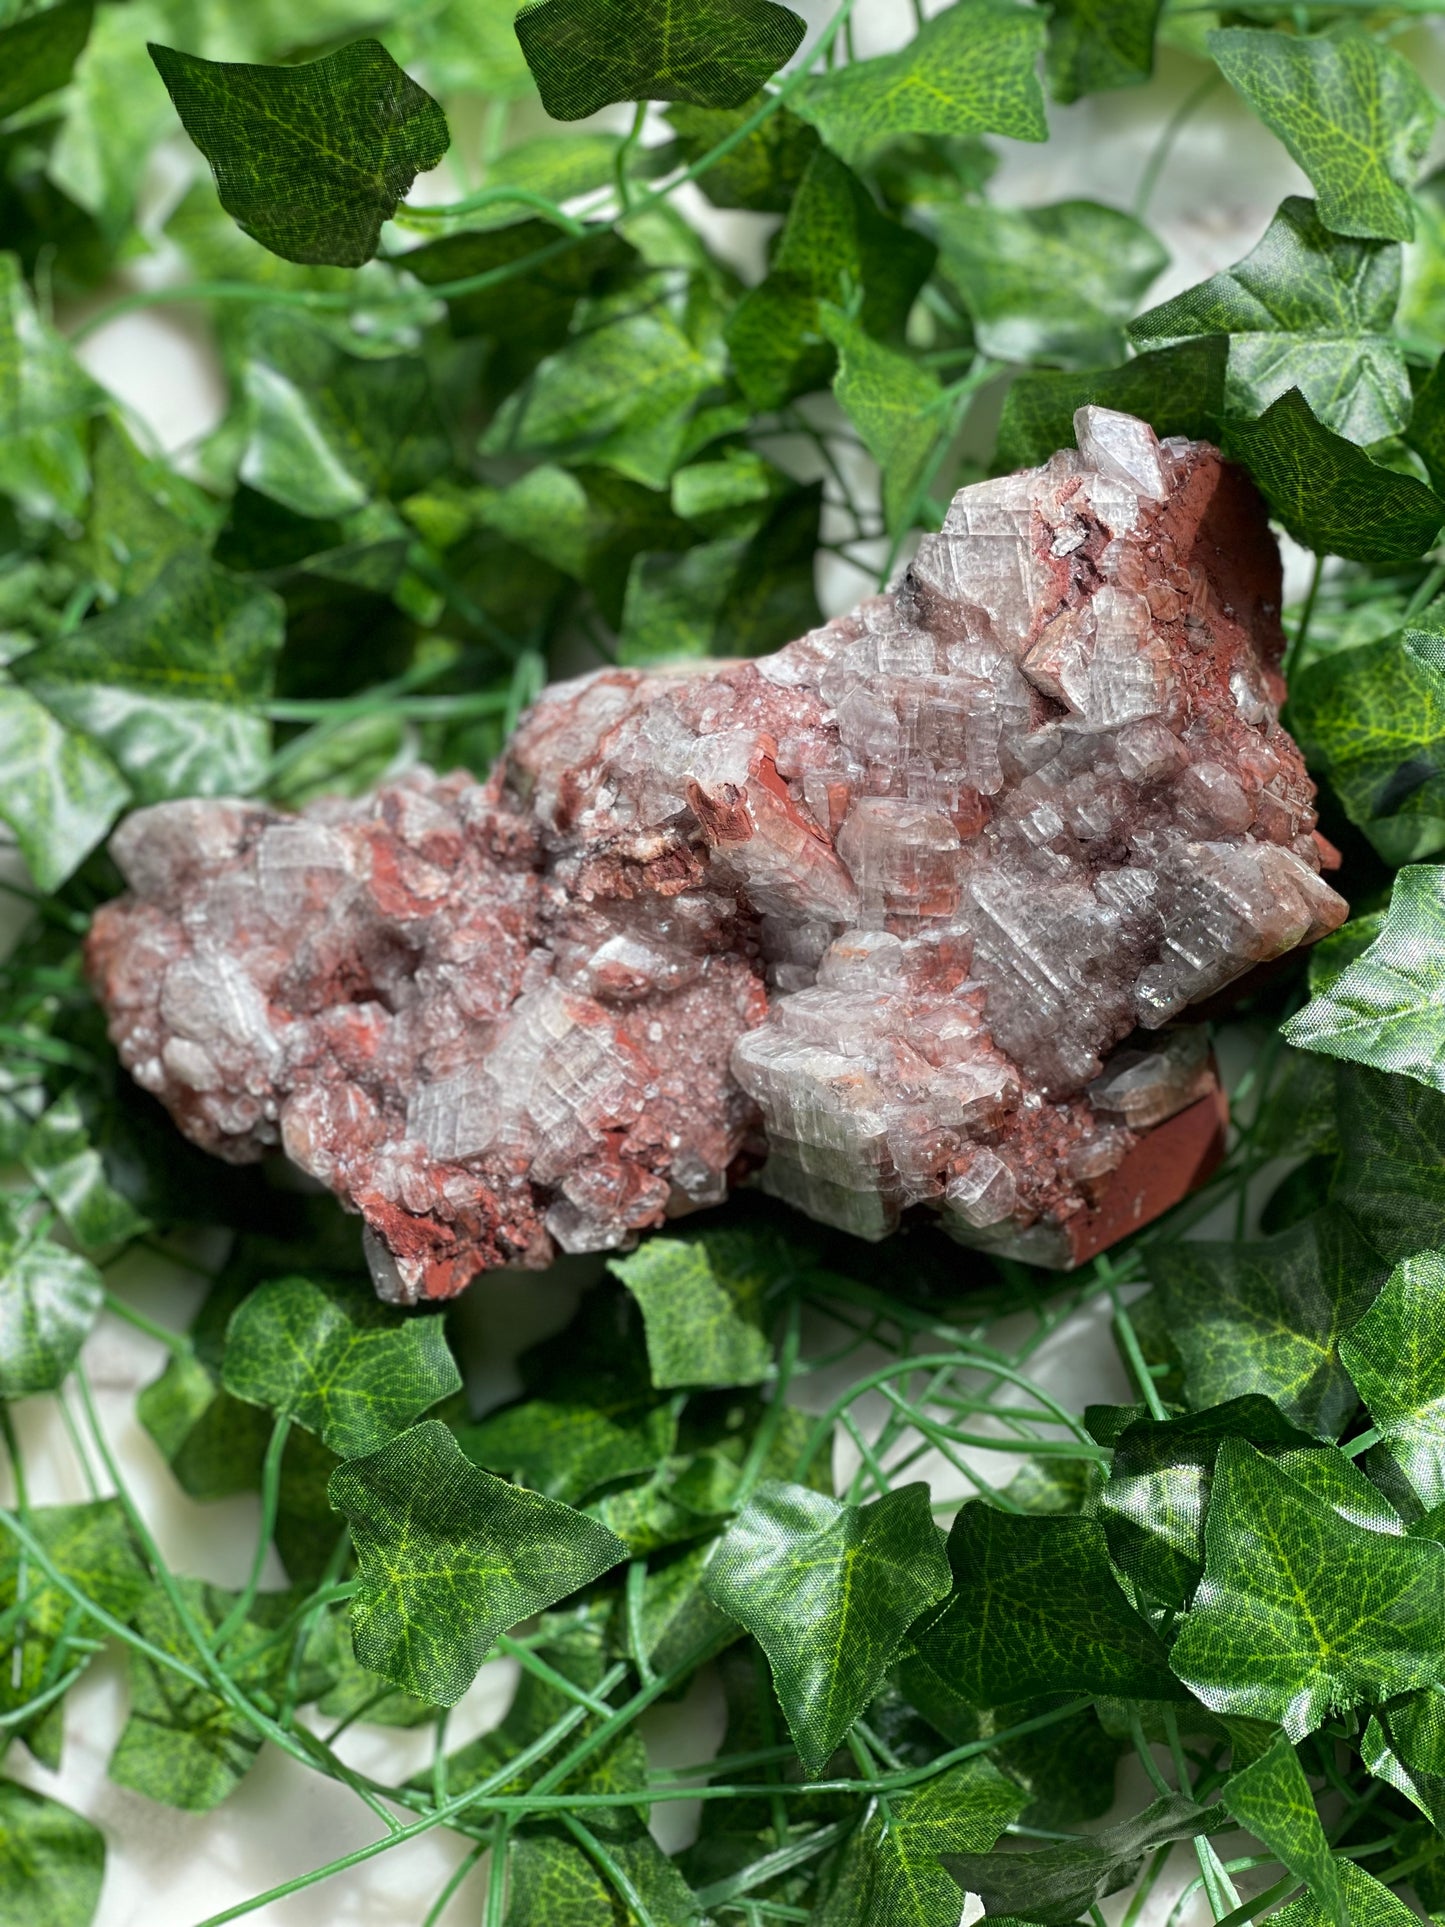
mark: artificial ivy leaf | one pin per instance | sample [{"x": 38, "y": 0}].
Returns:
[
  {"x": 1425, "y": 431},
  {"x": 91, "y": 1545},
  {"x": 1327, "y": 492},
  {"x": 37, "y": 53},
  {"x": 212, "y": 1442},
  {"x": 677, "y": 1618},
  {"x": 1404, "y": 1744},
  {"x": 1386, "y": 1007},
  {"x": 328, "y": 1354},
  {"x": 834, "y": 242},
  {"x": 46, "y": 400},
  {"x": 1055, "y": 1884},
  {"x": 309, "y": 160},
  {"x": 1267, "y": 1317},
  {"x": 1368, "y": 1902},
  {"x": 1391, "y": 1173},
  {"x": 1095, "y": 45},
  {"x": 61, "y": 791},
  {"x": 702, "y": 1305},
  {"x": 971, "y": 69},
  {"x": 675, "y": 601},
  {"x": 165, "y": 682},
  {"x": 828, "y": 1590},
  {"x": 1272, "y": 1799},
  {"x": 585, "y": 54},
  {"x": 1302, "y": 1612},
  {"x": 1332, "y": 956},
  {"x": 1180, "y": 391},
  {"x": 555, "y": 1884},
  {"x": 1052, "y": 283},
  {"x": 772, "y": 596},
  {"x": 52, "y": 1861},
  {"x": 763, "y": 171},
  {"x": 897, "y": 408},
  {"x": 49, "y": 1299},
  {"x": 60, "y": 1156},
  {"x": 1372, "y": 719},
  {"x": 1396, "y": 1356},
  {"x": 1305, "y": 309},
  {"x": 566, "y": 1448},
  {"x": 141, "y": 513},
  {"x": 1352, "y": 112},
  {"x": 329, "y": 431},
  {"x": 1035, "y": 1608},
  {"x": 448, "y": 1557},
  {"x": 184, "y": 1745},
  {"x": 892, "y": 1874}
]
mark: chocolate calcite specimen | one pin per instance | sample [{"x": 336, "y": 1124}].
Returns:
[{"x": 873, "y": 915}]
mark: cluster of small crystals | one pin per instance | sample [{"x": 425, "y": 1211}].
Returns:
[{"x": 870, "y": 914}]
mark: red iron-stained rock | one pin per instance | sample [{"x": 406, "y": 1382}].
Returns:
[{"x": 871, "y": 916}]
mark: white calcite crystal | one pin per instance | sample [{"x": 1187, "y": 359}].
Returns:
[{"x": 872, "y": 916}]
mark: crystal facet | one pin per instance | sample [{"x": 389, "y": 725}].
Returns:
[{"x": 872, "y": 915}]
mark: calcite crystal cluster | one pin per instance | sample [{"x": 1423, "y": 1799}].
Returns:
[{"x": 872, "y": 917}]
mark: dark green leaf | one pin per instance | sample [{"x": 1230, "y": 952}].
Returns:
[
  {"x": 449, "y": 1557},
  {"x": 212, "y": 1442},
  {"x": 184, "y": 1745},
  {"x": 1327, "y": 492},
  {"x": 328, "y": 1354},
  {"x": 828, "y": 1590},
  {"x": 1352, "y": 111},
  {"x": 1035, "y": 1608},
  {"x": 1272, "y": 1799},
  {"x": 1425, "y": 432},
  {"x": 1095, "y": 45},
  {"x": 566, "y": 1448},
  {"x": 60, "y": 1156},
  {"x": 702, "y": 1300},
  {"x": 763, "y": 171},
  {"x": 675, "y": 601},
  {"x": 1302, "y": 1612},
  {"x": 1179, "y": 390},
  {"x": 531, "y": 308},
  {"x": 1396, "y": 1356},
  {"x": 52, "y": 1862},
  {"x": 49, "y": 1299},
  {"x": 141, "y": 513},
  {"x": 37, "y": 54},
  {"x": 555, "y": 1884},
  {"x": 309, "y": 160},
  {"x": 971, "y": 69},
  {"x": 1386, "y": 1007},
  {"x": 897, "y": 408},
  {"x": 46, "y": 400},
  {"x": 772, "y": 597},
  {"x": 1055, "y": 1884},
  {"x": 1267, "y": 1317},
  {"x": 1305, "y": 309},
  {"x": 1404, "y": 1744},
  {"x": 1048, "y": 284},
  {"x": 586, "y": 53}
]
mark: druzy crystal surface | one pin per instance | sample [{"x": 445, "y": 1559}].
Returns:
[{"x": 901, "y": 915}]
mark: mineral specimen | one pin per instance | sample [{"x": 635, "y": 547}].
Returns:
[{"x": 868, "y": 915}]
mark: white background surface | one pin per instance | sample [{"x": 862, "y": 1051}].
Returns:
[{"x": 168, "y": 1869}]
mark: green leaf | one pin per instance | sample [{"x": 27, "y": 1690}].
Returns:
[
  {"x": 1425, "y": 431},
  {"x": 1095, "y": 45},
  {"x": 1369, "y": 1903},
  {"x": 59, "y": 1155},
  {"x": 1035, "y": 1608},
  {"x": 1352, "y": 112},
  {"x": 52, "y": 1862},
  {"x": 212, "y": 1442},
  {"x": 49, "y": 1299},
  {"x": 971, "y": 69},
  {"x": 1272, "y": 1799},
  {"x": 897, "y": 408},
  {"x": 328, "y": 1354},
  {"x": 1391, "y": 1174},
  {"x": 674, "y": 602},
  {"x": 61, "y": 791},
  {"x": 833, "y": 243},
  {"x": 166, "y": 680},
  {"x": 1302, "y": 1612},
  {"x": 554, "y": 1883},
  {"x": 828, "y": 1590},
  {"x": 309, "y": 160},
  {"x": 448, "y": 1557},
  {"x": 46, "y": 400},
  {"x": 585, "y": 54},
  {"x": 184, "y": 1745},
  {"x": 1396, "y": 1356},
  {"x": 1328, "y": 493},
  {"x": 1180, "y": 391},
  {"x": 1404, "y": 1744},
  {"x": 531, "y": 309},
  {"x": 37, "y": 54},
  {"x": 1333, "y": 955},
  {"x": 1055, "y": 1884},
  {"x": 566, "y": 1448},
  {"x": 1267, "y": 1317},
  {"x": 892, "y": 1874},
  {"x": 1305, "y": 309},
  {"x": 1386, "y": 1007},
  {"x": 1052, "y": 283},
  {"x": 702, "y": 1305},
  {"x": 763, "y": 171},
  {"x": 141, "y": 513}
]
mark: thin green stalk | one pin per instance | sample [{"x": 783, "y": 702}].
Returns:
[
  {"x": 1169, "y": 134},
  {"x": 637, "y": 1643},
  {"x": 176, "y": 1343},
  {"x": 270, "y": 1504},
  {"x": 454, "y": 1881},
  {"x": 612, "y": 1871}
]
